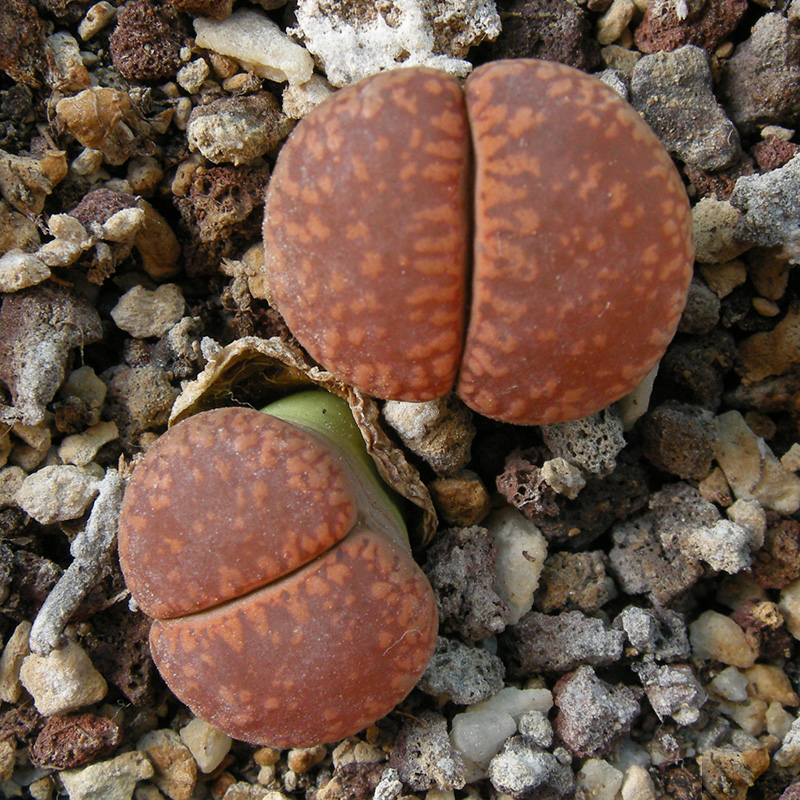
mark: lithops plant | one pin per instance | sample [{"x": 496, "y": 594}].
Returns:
[
  {"x": 288, "y": 609},
  {"x": 527, "y": 241}
]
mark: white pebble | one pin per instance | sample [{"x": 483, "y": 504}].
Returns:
[
  {"x": 637, "y": 784},
  {"x": 69, "y": 229},
  {"x": 516, "y": 702},
  {"x": 258, "y": 44},
  {"x": 84, "y": 384},
  {"x": 112, "y": 779},
  {"x": 299, "y": 99},
  {"x": 63, "y": 681},
  {"x": 191, "y": 77},
  {"x": 724, "y": 546},
  {"x": 789, "y": 606},
  {"x": 599, "y": 780},
  {"x": 143, "y": 313},
  {"x": 87, "y": 162},
  {"x": 750, "y": 515},
  {"x": 81, "y": 448},
  {"x": 14, "y": 653},
  {"x": 521, "y": 551},
  {"x": 479, "y": 735},
  {"x": 207, "y": 745},
  {"x": 124, "y": 225},
  {"x": 11, "y": 480},
  {"x": 715, "y": 636},
  {"x": 779, "y": 720},
  {"x": 57, "y": 493},
  {"x": 751, "y": 468},
  {"x": 563, "y": 477},
  {"x": 59, "y": 253},
  {"x": 97, "y": 17},
  {"x": 730, "y": 684},
  {"x": 19, "y": 270}
]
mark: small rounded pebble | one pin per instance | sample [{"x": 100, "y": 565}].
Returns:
[
  {"x": 191, "y": 77},
  {"x": 599, "y": 779},
  {"x": 144, "y": 313},
  {"x": 730, "y": 684},
  {"x": 63, "y": 681},
  {"x": 521, "y": 553},
  {"x": 14, "y": 653},
  {"x": 114, "y": 779},
  {"x": 479, "y": 735},
  {"x": 715, "y": 636},
  {"x": 57, "y": 493},
  {"x": 96, "y": 18},
  {"x": 19, "y": 270},
  {"x": 81, "y": 448},
  {"x": 208, "y": 745},
  {"x": 175, "y": 768}
]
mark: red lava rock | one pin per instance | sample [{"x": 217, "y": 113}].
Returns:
[
  {"x": 381, "y": 171},
  {"x": 146, "y": 42},
  {"x": 680, "y": 439},
  {"x": 578, "y": 522},
  {"x": 119, "y": 649},
  {"x": 524, "y": 486},
  {"x": 288, "y": 609},
  {"x": 718, "y": 184},
  {"x": 70, "y": 741},
  {"x": 773, "y": 153},
  {"x": 216, "y": 9},
  {"x": 706, "y": 25},
  {"x": 22, "y": 35},
  {"x": 100, "y": 204},
  {"x": 223, "y": 197},
  {"x": 574, "y": 581},
  {"x": 460, "y": 567},
  {"x": 777, "y": 563},
  {"x": 21, "y": 723},
  {"x": 764, "y": 627},
  {"x": 552, "y": 30}
]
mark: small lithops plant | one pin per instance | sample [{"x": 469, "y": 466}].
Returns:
[
  {"x": 288, "y": 609},
  {"x": 526, "y": 241}
]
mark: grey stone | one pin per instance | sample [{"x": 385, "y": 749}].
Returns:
[
  {"x": 760, "y": 83},
  {"x": 674, "y": 93},
  {"x": 593, "y": 715},
  {"x": 465, "y": 674},
  {"x": 557, "y": 643},
  {"x": 526, "y": 772},
  {"x": 770, "y": 208}
]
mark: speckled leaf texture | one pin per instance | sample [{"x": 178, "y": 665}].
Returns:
[
  {"x": 288, "y": 612},
  {"x": 312, "y": 658},
  {"x": 264, "y": 498},
  {"x": 579, "y": 238},
  {"x": 583, "y": 249},
  {"x": 365, "y": 233}
]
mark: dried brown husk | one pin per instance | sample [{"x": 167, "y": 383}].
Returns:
[{"x": 253, "y": 371}]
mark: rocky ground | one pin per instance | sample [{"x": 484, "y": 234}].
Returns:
[{"x": 619, "y": 597}]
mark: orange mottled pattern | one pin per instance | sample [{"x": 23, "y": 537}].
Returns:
[
  {"x": 366, "y": 233},
  {"x": 258, "y": 498},
  {"x": 311, "y": 658},
  {"x": 582, "y": 245}
]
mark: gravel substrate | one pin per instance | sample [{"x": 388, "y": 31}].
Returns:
[{"x": 618, "y": 597}]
